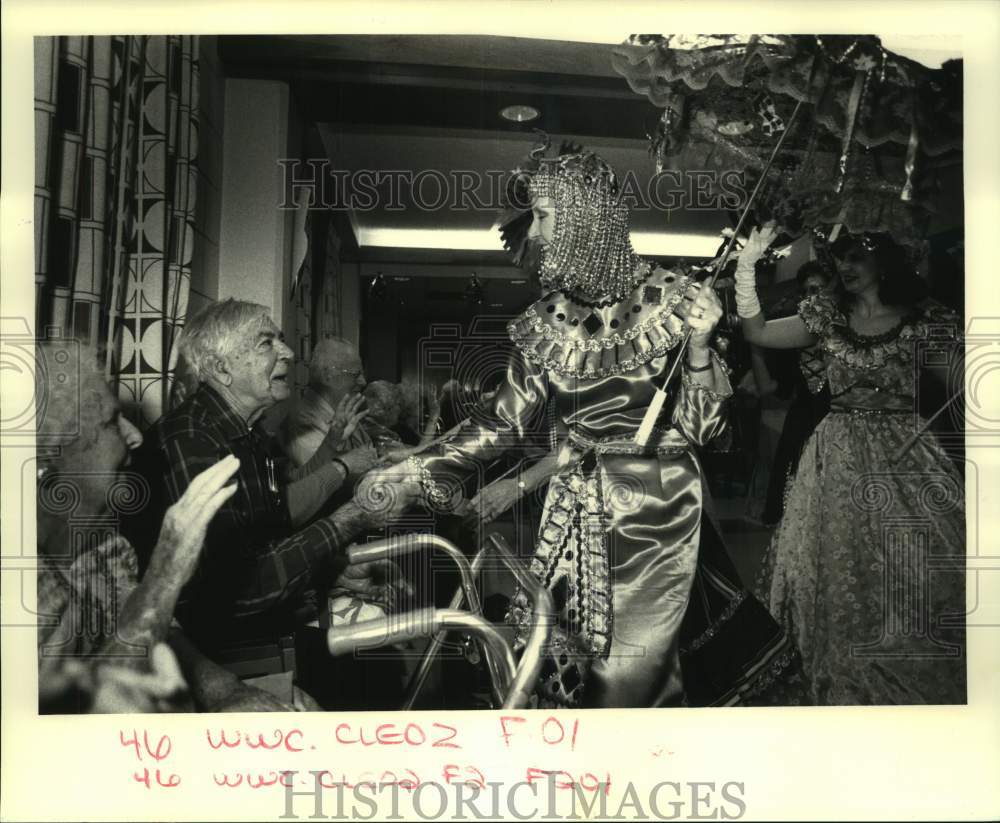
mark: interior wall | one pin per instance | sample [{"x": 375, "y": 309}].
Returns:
[
  {"x": 255, "y": 243},
  {"x": 247, "y": 246}
]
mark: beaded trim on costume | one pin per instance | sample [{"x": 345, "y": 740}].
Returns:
[
  {"x": 626, "y": 445},
  {"x": 691, "y": 383},
  {"x": 572, "y": 548},
  {"x": 722, "y": 619},
  {"x": 598, "y": 343},
  {"x": 775, "y": 670}
]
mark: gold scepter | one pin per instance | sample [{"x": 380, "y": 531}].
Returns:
[{"x": 660, "y": 397}]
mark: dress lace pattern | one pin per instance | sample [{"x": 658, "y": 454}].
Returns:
[{"x": 866, "y": 568}]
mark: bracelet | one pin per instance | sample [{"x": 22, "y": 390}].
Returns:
[
  {"x": 338, "y": 462},
  {"x": 432, "y": 491},
  {"x": 706, "y": 367}
]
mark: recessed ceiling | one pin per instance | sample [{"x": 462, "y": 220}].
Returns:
[{"x": 432, "y": 104}]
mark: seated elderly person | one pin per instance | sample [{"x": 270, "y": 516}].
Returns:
[
  {"x": 266, "y": 555},
  {"x": 102, "y": 633},
  {"x": 330, "y": 409},
  {"x": 418, "y": 421},
  {"x": 384, "y": 402}
]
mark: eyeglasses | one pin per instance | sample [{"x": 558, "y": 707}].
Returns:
[{"x": 355, "y": 373}]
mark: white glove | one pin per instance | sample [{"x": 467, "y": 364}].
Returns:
[{"x": 747, "y": 304}]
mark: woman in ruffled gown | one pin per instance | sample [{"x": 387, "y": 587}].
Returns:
[{"x": 865, "y": 570}]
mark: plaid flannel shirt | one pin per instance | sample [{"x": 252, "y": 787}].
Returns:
[{"x": 253, "y": 571}]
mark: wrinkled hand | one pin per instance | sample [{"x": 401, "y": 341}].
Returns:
[
  {"x": 360, "y": 460},
  {"x": 185, "y": 523},
  {"x": 383, "y": 494},
  {"x": 703, "y": 315},
  {"x": 492, "y": 501},
  {"x": 346, "y": 417},
  {"x": 121, "y": 688},
  {"x": 380, "y": 581},
  {"x": 399, "y": 455}
]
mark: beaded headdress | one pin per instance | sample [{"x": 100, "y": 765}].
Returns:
[{"x": 591, "y": 252}]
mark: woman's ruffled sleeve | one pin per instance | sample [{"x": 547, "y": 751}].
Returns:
[{"x": 817, "y": 312}]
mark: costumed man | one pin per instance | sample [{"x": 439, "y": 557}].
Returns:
[{"x": 619, "y": 539}]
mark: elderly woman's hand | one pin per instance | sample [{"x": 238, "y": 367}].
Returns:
[
  {"x": 156, "y": 686},
  {"x": 185, "y": 523},
  {"x": 346, "y": 418}
]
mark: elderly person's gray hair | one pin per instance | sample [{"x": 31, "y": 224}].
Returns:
[
  {"x": 384, "y": 397},
  {"x": 419, "y": 403},
  {"x": 218, "y": 331},
  {"x": 70, "y": 395},
  {"x": 328, "y": 352}
]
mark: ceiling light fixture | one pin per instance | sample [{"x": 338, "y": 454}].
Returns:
[
  {"x": 520, "y": 114},
  {"x": 653, "y": 244}
]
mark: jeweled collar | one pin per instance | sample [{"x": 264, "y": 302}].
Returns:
[{"x": 598, "y": 340}]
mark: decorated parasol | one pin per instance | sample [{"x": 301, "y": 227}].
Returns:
[{"x": 866, "y": 154}]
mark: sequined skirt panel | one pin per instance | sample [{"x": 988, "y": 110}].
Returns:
[{"x": 648, "y": 507}]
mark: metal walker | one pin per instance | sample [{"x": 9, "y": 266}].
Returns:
[{"x": 512, "y": 681}]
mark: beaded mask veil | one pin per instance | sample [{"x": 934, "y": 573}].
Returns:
[{"x": 591, "y": 252}]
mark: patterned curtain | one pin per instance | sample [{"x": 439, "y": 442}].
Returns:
[{"x": 115, "y": 169}]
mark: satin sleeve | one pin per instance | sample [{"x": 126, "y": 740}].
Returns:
[
  {"x": 701, "y": 413},
  {"x": 517, "y": 411}
]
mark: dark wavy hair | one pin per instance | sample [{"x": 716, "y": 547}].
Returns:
[
  {"x": 899, "y": 283},
  {"x": 813, "y": 268}
]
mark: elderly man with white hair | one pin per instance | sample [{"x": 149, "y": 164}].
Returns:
[{"x": 266, "y": 553}]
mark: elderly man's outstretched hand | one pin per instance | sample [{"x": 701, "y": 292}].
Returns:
[
  {"x": 378, "y": 581},
  {"x": 361, "y": 460},
  {"x": 384, "y": 494}
]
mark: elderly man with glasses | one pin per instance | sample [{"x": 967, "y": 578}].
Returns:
[
  {"x": 266, "y": 552},
  {"x": 330, "y": 409}
]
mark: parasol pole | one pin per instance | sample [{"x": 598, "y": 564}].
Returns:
[
  {"x": 659, "y": 398},
  {"x": 909, "y": 444}
]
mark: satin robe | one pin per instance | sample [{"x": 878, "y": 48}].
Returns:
[{"x": 641, "y": 506}]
